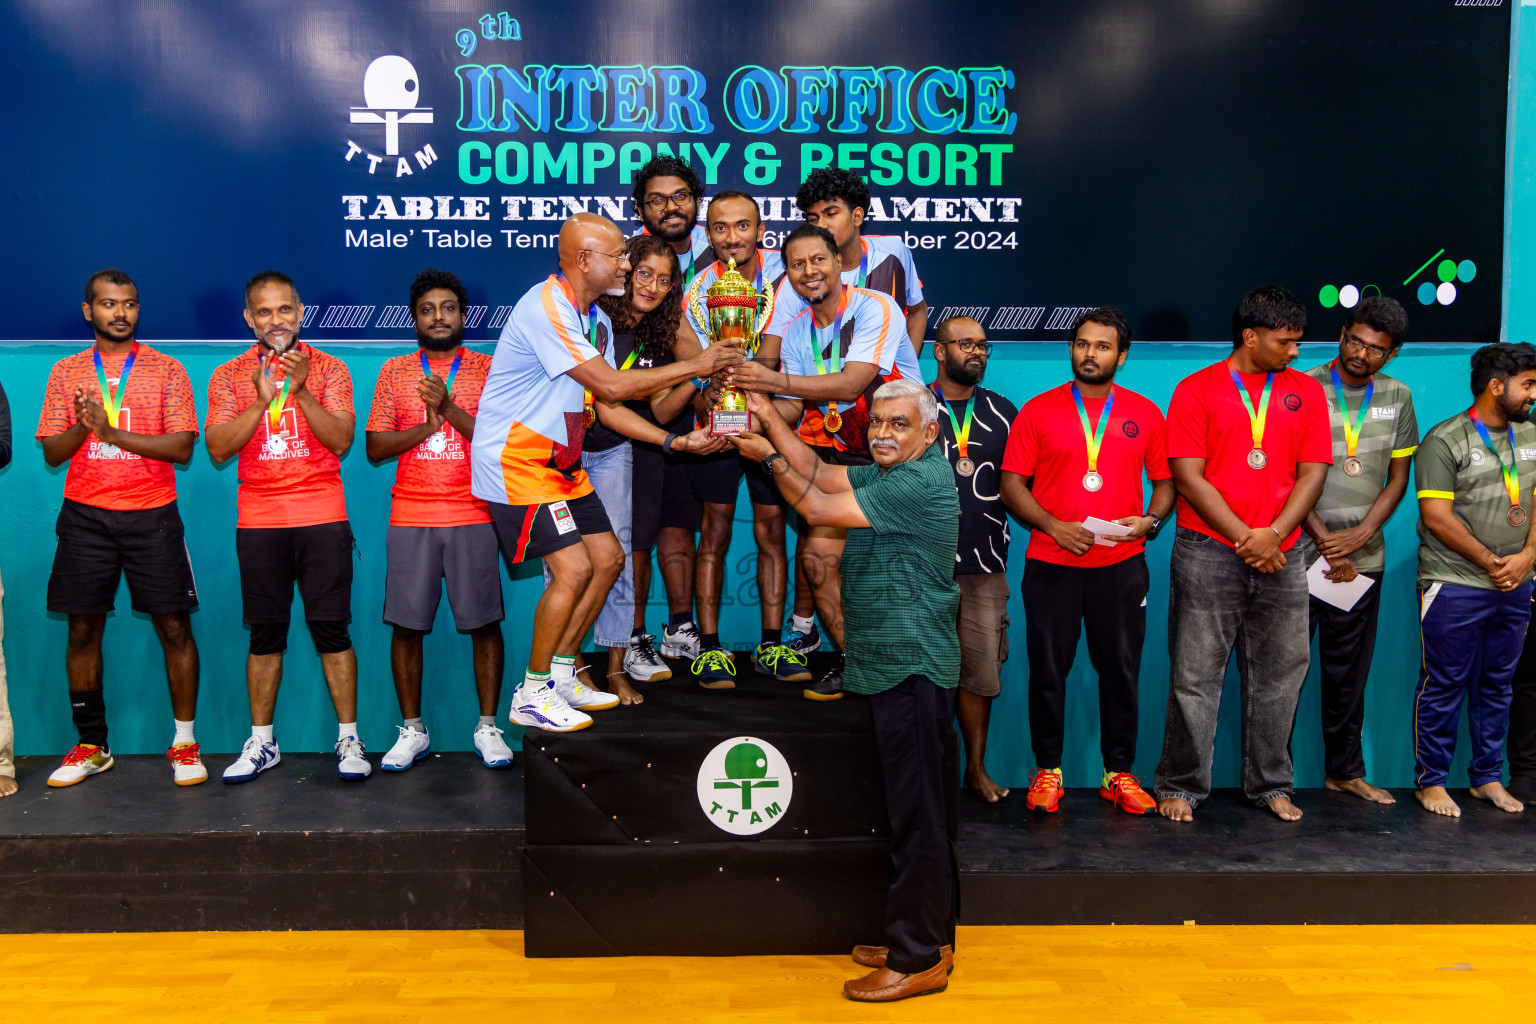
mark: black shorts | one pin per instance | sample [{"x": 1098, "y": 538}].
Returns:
[
  {"x": 662, "y": 496},
  {"x": 717, "y": 480},
  {"x": 318, "y": 558},
  {"x": 99, "y": 546},
  {"x": 527, "y": 532}
]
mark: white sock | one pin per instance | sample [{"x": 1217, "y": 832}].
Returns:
[
  {"x": 345, "y": 729},
  {"x": 561, "y": 666},
  {"x": 488, "y": 720},
  {"x": 802, "y": 623},
  {"x": 415, "y": 724},
  {"x": 535, "y": 680},
  {"x": 183, "y": 733},
  {"x": 262, "y": 732}
]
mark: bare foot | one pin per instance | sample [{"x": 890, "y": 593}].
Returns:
[
  {"x": 1362, "y": 789},
  {"x": 1496, "y": 794},
  {"x": 618, "y": 684},
  {"x": 7, "y": 786},
  {"x": 1437, "y": 800},
  {"x": 979, "y": 782},
  {"x": 1176, "y": 810},
  {"x": 1284, "y": 809}
]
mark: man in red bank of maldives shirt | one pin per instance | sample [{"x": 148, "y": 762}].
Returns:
[
  {"x": 1249, "y": 444},
  {"x": 1075, "y": 453}
]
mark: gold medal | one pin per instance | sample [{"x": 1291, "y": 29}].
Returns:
[{"x": 834, "y": 420}]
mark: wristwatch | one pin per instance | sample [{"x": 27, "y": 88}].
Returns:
[
  {"x": 768, "y": 462},
  {"x": 666, "y": 443},
  {"x": 1157, "y": 524}
]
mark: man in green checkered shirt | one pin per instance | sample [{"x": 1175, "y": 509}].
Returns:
[
  {"x": 1476, "y": 474},
  {"x": 1374, "y": 437},
  {"x": 900, "y": 600}
]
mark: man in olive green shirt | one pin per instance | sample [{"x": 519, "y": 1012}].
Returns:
[
  {"x": 1375, "y": 434},
  {"x": 1477, "y": 544},
  {"x": 900, "y": 600}
]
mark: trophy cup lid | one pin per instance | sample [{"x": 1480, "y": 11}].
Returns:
[{"x": 731, "y": 290}]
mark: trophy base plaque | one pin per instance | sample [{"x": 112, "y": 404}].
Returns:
[{"x": 724, "y": 422}]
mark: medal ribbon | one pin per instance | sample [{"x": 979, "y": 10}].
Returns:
[
  {"x": 1511, "y": 472},
  {"x": 570, "y": 293},
  {"x": 837, "y": 345},
  {"x": 112, "y": 401},
  {"x": 863, "y": 264},
  {"x": 275, "y": 407},
  {"x": 458, "y": 357},
  {"x": 1093, "y": 438},
  {"x": 962, "y": 432},
  {"x": 1353, "y": 426},
  {"x": 1255, "y": 419}
]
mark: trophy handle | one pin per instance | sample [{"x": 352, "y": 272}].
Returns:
[{"x": 692, "y": 302}]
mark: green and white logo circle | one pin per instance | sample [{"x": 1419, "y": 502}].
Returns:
[{"x": 745, "y": 785}]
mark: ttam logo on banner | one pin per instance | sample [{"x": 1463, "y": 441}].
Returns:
[
  {"x": 745, "y": 785},
  {"x": 391, "y": 88}
]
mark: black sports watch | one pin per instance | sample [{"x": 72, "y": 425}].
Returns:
[
  {"x": 768, "y": 462},
  {"x": 1157, "y": 524}
]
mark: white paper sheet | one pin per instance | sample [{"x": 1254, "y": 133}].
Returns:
[
  {"x": 1102, "y": 529},
  {"x": 1341, "y": 595}
]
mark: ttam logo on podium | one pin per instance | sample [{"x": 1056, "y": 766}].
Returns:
[{"x": 745, "y": 785}]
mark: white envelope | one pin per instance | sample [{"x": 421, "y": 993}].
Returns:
[
  {"x": 1102, "y": 529},
  {"x": 1341, "y": 595}
]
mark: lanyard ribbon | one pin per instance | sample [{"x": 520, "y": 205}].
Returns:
[
  {"x": 863, "y": 264},
  {"x": 458, "y": 357},
  {"x": 1352, "y": 426},
  {"x": 962, "y": 431},
  {"x": 1093, "y": 438},
  {"x": 112, "y": 401},
  {"x": 1255, "y": 419},
  {"x": 1511, "y": 472},
  {"x": 275, "y": 407},
  {"x": 836, "y": 353},
  {"x": 570, "y": 293}
]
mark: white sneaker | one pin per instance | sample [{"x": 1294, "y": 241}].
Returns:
[
  {"x": 81, "y": 762},
  {"x": 352, "y": 759},
  {"x": 187, "y": 767},
  {"x": 582, "y": 697},
  {"x": 684, "y": 643},
  {"x": 543, "y": 708},
  {"x": 493, "y": 750},
  {"x": 642, "y": 663},
  {"x": 412, "y": 746},
  {"x": 255, "y": 758}
]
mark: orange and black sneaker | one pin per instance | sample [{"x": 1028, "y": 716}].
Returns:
[
  {"x": 1045, "y": 791},
  {"x": 1122, "y": 790}
]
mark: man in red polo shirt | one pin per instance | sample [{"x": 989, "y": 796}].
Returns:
[
  {"x": 1249, "y": 445},
  {"x": 1077, "y": 453},
  {"x": 122, "y": 416},
  {"x": 285, "y": 409},
  {"x": 423, "y": 415}
]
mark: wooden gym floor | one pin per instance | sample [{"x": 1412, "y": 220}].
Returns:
[{"x": 1126, "y": 975}]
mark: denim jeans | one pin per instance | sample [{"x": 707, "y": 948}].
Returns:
[
  {"x": 611, "y": 473},
  {"x": 1216, "y": 602}
]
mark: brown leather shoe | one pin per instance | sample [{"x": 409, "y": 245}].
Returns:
[
  {"x": 874, "y": 956},
  {"x": 884, "y": 985}
]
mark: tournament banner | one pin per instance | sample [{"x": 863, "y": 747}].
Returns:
[{"x": 1037, "y": 157}]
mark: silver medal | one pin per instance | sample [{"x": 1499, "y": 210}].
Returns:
[
  {"x": 107, "y": 451},
  {"x": 1257, "y": 459},
  {"x": 1092, "y": 481},
  {"x": 965, "y": 467},
  {"x": 1353, "y": 466},
  {"x": 437, "y": 443},
  {"x": 277, "y": 444}
]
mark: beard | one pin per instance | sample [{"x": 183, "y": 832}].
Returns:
[
  {"x": 1101, "y": 375},
  {"x": 264, "y": 337},
  {"x": 447, "y": 344},
  {"x": 1518, "y": 412},
  {"x": 967, "y": 374},
  {"x": 674, "y": 234}
]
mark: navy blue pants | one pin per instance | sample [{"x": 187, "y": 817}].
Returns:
[{"x": 1472, "y": 639}]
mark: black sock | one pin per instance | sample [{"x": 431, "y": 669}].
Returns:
[
  {"x": 89, "y": 710},
  {"x": 772, "y": 636},
  {"x": 638, "y": 631},
  {"x": 709, "y": 641}
]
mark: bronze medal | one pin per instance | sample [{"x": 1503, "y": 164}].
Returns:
[
  {"x": 1257, "y": 459},
  {"x": 1092, "y": 481},
  {"x": 1353, "y": 466},
  {"x": 1516, "y": 515},
  {"x": 965, "y": 467}
]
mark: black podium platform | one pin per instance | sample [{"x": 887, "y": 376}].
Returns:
[{"x": 632, "y": 842}]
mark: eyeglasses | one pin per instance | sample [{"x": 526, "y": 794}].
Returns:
[
  {"x": 1355, "y": 345},
  {"x": 679, "y": 199},
  {"x": 645, "y": 275},
  {"x": 973, "y": 347},
  {"x": 617, "y": 257}
]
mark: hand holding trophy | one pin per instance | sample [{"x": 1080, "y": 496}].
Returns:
[{"x": 737, "y": 315}]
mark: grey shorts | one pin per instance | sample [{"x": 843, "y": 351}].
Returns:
[
  {"x": 983, "y": 629},
  {"x": 421, "y": 557}
]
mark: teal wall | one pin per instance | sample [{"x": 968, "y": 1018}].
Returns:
[{"x": 139, "y": 709}]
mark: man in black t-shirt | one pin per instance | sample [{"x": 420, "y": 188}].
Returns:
[{"x": 973, "y": 428}]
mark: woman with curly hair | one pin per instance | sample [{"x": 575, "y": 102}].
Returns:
[{"x": 635, "y": 451}]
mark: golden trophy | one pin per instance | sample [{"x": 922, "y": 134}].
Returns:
[{"x": 737, "y": 315}]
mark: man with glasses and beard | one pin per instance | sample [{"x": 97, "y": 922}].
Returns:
[
  {"x": 1375, "y": 434},
  {"x": 423, "y": 415},
  {"x": 122, "y": 415},
  {"x": 973, "y": 427},
  {"x": 1477, "y": 544},
  {"x": 667, "y": 195},
  {"x": 1077, "y": 452},
  {"x": 285, "y": 408},
  {"x": 551, "y": 365}
]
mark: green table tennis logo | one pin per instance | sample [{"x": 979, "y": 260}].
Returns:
[{"x": 745, "y": 785}]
